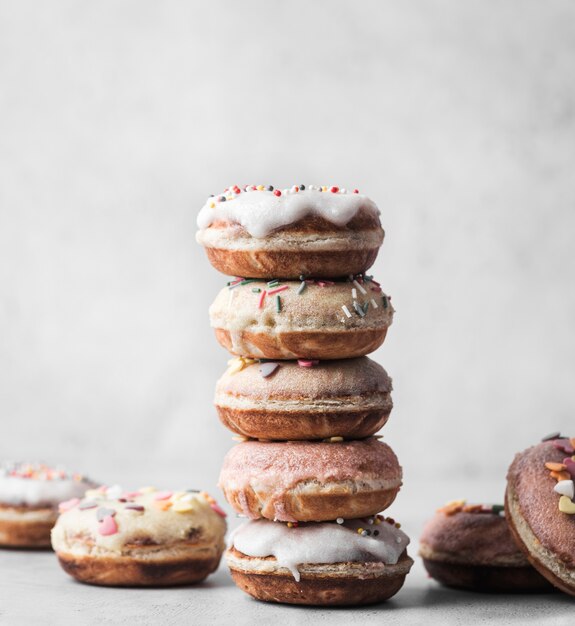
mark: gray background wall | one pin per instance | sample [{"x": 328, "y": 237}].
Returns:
[{"x": 117, "y": 119}]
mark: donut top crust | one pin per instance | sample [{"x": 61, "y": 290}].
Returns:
[
  {"x": 261, "y": 211},
  {"x": 533, "y": 484},
  {"x": 39, "y": 485},
  {"x": 317, "y": 307},
  {"x": 323, "y": 542},
  {"x": 280, "y": 466},
  {"x": 472, "y": 534},
  {"x": 109, "y": 519},
  {"x": 326, "y": 379}
]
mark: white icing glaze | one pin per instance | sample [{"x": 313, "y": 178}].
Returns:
[
  {"x": 261, "y": 212},
  {"x": 163, "y": 517},
  {"x": 320, "y": 543},
  {"x": 44, "y": 487}
]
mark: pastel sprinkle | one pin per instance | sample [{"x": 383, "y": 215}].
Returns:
[
  {"x": 346, "y": 311},
  {"x": 301, "y": 288},
  {"x": 218, "y": 510},
  {"x": 134, "y": 507},
  {"x": 374, "y": 304},
  {"x": 385, "y": 301},
  {"x": 89, "y": 504},
  {"x": 307, "y": 362},
  {"x": 354, "y": 293},
  {"x": 261, "y": 300},
  {"x": 565, "y": 488},
  {"x": 361, "y": 289},
  {"x": 183, "y": 507},
  {"x": 163, "y": 495},
  {"x": 104, "y": 512},
  {"x": 358, "y": 309},
  {"x": 566, "y": 505},
  {"x": 68, "y": 504},
  {"x": 278, "y": 304},
  {"x": 256, "y": 290},
  {"x": 108, "y": 526},
  {"x": 278, "y": 290},
  {"x": 267, "y": 369}
]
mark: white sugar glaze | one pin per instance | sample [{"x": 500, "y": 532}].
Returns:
[
  {"x": 31, "y": 492},
  {"x": 320, "y": 543},
  {"x": 261, "y": 212}
]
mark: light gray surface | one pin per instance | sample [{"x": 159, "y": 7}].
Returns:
[
  {"x": 33, "y": 590},
  {"x": 33, "y": 587}
]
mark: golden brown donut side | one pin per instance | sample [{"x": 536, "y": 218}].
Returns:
[
  {"x": 310, "y": 481},
  {"x": 312, "y": 246},
  {"x": 26, "y": 527},
  {"x": 339, "y": 584},
  {"x": 302, "y": 344},
  {"x": 302, "y": 425},
  {"x": 545, "y": 534},
  {"x": 129, "y": 571}
]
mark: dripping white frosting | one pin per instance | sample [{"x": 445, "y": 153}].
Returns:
[
  {"x": 261, "y": 212},
  {"x": 320, "y": 543}
]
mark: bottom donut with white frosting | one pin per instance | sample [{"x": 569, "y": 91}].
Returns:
[{"x": 351, "y": 562}]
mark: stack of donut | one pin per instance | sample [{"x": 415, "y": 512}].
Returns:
[{"x": 300, "y": 316}]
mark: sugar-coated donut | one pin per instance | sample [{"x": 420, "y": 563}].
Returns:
[
  {"x": 262, "y": 232},
  {"x": 307, "y": 319},
  {"x": 469, "y": 546},
  {"x": 310, "y": 481},
  {"x": 308, "y": 399},
  {"x": 540, "y": 507},
  {"x": 352, "y": 562},
  {"x": 141, "y": 538},
  {"x": 29, "y": 498}
]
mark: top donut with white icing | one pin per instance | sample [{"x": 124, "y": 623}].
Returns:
[
  {"x": 38, "y": 485},
  {"x": 262, "y": 209}
]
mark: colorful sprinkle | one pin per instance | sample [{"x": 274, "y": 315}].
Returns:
[
  {"x": 361, "y": 289},
  {"x": 163, "y": 495},
  {"x": 278, "y": 290},
  {"x": 278, "y": 304},
  {"x": 267, "y": 369},
  {"x": 104, "y": 512},
  {"x": 134, "y": 507},
  {"x": 218, "y": 509},
  {"x": 301, "y": 288},
  {"x": 108, "y": 526},
  {"x": 68, "y": 504},
  {"x": 261, "y": 300},
  {"x": 307, "y": 362},
  {"x": 346, "y": 311}
]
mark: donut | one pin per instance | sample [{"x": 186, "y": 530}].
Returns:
[
  {"x": 352, "y": 562},
  {"x": 308, "y": 481},
  {"x": 469, "y": 546},
  {"x": 304, "y": 400},
  {"x": 263, "y": 232},
  {"x": 29, "y": 498},
  {"x": 540, "y": 507},
  {"x": 301, "y": 319},
  {"x": 140, "y": 538}
]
